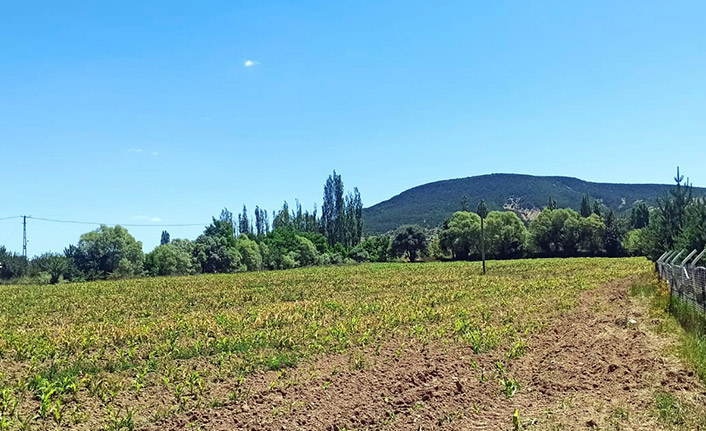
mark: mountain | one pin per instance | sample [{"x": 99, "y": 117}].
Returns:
[{"x": 431, "y": 204}]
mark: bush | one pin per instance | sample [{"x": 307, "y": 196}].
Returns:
[
  {"x": 373, "y": 249},
  {"x": 359, "y": 254}
]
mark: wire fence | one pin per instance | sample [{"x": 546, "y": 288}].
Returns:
[{"x": 685, "y": 272}]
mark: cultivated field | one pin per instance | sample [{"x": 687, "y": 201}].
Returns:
[{"x": 395, "y": 346}]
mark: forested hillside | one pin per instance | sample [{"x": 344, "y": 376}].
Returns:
[{"x": 429, "y": 205}]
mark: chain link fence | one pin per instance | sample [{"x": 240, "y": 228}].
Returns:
[{"x": 685, "y": 272}]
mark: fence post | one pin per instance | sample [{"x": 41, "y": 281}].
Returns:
[{"x": 699, "y": 276}]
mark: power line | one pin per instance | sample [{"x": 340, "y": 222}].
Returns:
[
  {"x": 11, "y": 234},
  {"x": 50, "y": 220},
  {"x": 114, "y": 224},
  {"x": 10, "y": 218}
]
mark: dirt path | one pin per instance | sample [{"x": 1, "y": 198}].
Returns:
[{"x": 587, "y": 370}]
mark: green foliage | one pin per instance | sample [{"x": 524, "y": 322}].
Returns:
[
  {"x": 409, "y": 241},
  {"x": 250, "y": 253},
  {"x": 693, "y": 234},
  {"x": 12, "y": 265},
  {"x": 564, "y": 233},
  {"x": 461, "y": 235},
  {"x": 637, "y": 242},
  {"x": 107, "y": 252},
  {"x": 669, "y": 410},
  {"x": 554, "y": 232},
  {"x": 317, "y": 239},
  {"x": 590, "y": 234},
  {"x": 679, "y": 221},
  {"x": 165, "y": 238},
  {"x": 372, "y": 249},
  {"x": 282, "y": 220},
  {"x": 586, "y": 206},
  {"x": 551, "y": 203},
  {"x": 505, "y": 235},
  {"x": 668, "y": 220},
  {"x": 288, "y": 248},
  {"x": 216, "y": 254},
  {"x": 640, "y": 215},
  {"x": 170, "y": 259},
  {"x": 56, "y": 266},
  {"x": 341, "y": 215},
  {"x": 615, "y": 230},
  {"x": 222, "y": 228},
  {"x": 305, "y": 252},
  {"x": 244, "y": 226}
]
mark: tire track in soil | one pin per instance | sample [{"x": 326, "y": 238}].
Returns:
[{"x": 581, "y": 370}]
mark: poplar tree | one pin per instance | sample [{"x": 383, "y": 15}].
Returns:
[
  {"x": 551, "y": 204},
  {"x": 586, "y": 207},
  {"x": 243, "y": 222}
]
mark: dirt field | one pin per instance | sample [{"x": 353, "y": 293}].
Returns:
[{"x": 589, "y": 369}]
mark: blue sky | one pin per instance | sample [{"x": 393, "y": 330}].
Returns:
[{"x": 146, "y": 112}]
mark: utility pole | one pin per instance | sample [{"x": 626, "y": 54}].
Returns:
[
  {"x": 24, "y": 236},
  {"x": 483, "y": 213}
]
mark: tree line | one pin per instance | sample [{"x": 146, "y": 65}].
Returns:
[
  {"x": 230, "y": 243},
  {"x": 297, "y": 237}
]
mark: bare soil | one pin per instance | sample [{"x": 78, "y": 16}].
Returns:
[{"x": 589, "y": 369}]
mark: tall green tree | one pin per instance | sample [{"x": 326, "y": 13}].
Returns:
[
  {"x": 461, "y": 235},
  {"x": 244, "y": 227},
  {"x": 108, "y": 252},
  {"x": 358, "y": 215},
  {"x": 165, "y": 238},
  {"x": 464, "y": 203},
  {"x": 588, "y": 233},
  {"x": 668, "y": 221},
  {"x": 328, "y": 210},
  {"x": 586, "y": 206},
  {"x": 693, "y": 234},
  {"x": 555, "y": 233},
  {"x": 551, "y": 204},
  {"x": 482, "y": 213},
  {"x": 341, "y": 215},
  {"x": 260, "y": 217},
  {"x": 169, "y": 259},
  {"x": 283, "y": 219},
  {"x": 222, "y": 227},
  {"x": 505, "y": 235},
  {"x": 615, "y": 230},
  {"x": 409, "y": 241},
  {"x": 640, "y": 215}
]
